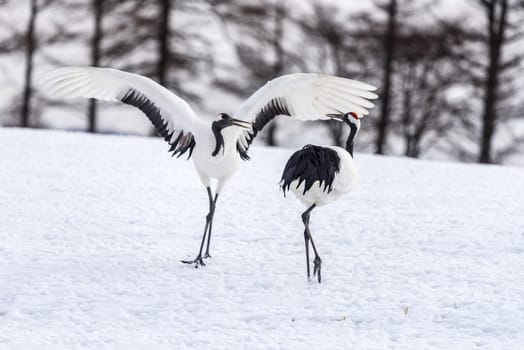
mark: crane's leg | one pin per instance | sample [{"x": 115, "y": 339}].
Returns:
[
  {"x": 209, "y": 218},
  {"x": 212, "y": 206},
  {"x": 306, "y": 241},
  {"x": 317, "y": 262},
  {"x": 305, "y": 220}
]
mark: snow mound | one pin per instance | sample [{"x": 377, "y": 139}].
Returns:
[{"x": 92, "y": 229}]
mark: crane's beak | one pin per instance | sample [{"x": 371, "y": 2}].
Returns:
[
  {"x": 337, "y": 116},
  {"x": 241, "y": 123}
]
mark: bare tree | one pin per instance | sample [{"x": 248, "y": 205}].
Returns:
[
  {"x": 30, "y": 41},
  {"x": 30, "y": 47},
  {"x": 30, "y": 44},
  {"x": 389, "y": 51},
  {"x": 98, "y": 11},
  {"x": 330, "y": 35},
  {"x": 345, "y": 46},
  {"x": 497, "y": 38},
  {"x": 159, "y": 48},
  {"x": 141, "y": 42},
  {"x": 494, "y": 56},
  {"x": 279, "y": 16},
  {"x": 258, "y": 40},
  {"x": 164, "y": 34},
  {"x": 426, "y": 74}
]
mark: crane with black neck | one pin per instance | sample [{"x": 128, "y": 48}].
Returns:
[{"x": 319, "y": 175}]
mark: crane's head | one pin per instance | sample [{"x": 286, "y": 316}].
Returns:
[
  {"x": 351, "y": 118},
  {"x": 224, "y": 121}
]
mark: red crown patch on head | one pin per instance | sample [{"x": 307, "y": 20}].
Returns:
[{"x": 354, "y": 115}]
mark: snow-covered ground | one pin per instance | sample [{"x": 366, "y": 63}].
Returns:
[{"x": 423, "y": 255}]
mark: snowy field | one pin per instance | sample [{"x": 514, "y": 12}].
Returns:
[{"x": 92, "y": 229}]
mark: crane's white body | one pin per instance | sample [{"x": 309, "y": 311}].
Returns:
[
  {"x": 220, "y": 167},
  {"x": 345, "y": 181}
]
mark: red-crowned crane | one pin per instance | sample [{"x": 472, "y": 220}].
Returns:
[
  {"x": 216, "y": 147},
  {"x": 318, "y": 175}
]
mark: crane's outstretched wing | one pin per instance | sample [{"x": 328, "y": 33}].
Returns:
[
  {"x": 305, "y": 96},
  {"x": 172, "y": 116}
]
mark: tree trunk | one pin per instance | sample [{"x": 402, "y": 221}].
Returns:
[
  {"x": 30, "y": 50},
  {"x": 98, "y": 9},
  {"x": 279, "y": 65},
  {"x": 407, "y": 121},
  {"x": 163, "y": 42},
  {"x": 496, "y": 27},
  {"x": 389, "y": 48},
  {"x": 164, "y": 51}
]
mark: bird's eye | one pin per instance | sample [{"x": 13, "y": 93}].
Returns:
[{"x": 224, "y": 116}]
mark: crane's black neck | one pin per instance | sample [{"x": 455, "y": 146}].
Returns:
[
  {"x": 351, "y": 138},
  {"x": 219, "y": 139}
]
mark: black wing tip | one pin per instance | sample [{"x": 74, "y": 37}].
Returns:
[
  {"x": 283, "y": 186},
  {"x": 182, "y": 143},
  {"x": 242, "y": 152},
  {"x": 275, "y": 107}
]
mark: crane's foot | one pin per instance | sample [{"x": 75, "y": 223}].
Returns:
[
  {"x": 197, "y": 261},
  {"x": 207, "y": 255},
  {"x": 317, "y": 263}
]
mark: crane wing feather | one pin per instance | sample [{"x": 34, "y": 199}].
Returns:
[
  {"x": 305, "y": 96},
  {"x": 171, "y": 115}
]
